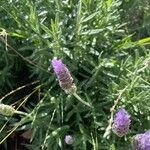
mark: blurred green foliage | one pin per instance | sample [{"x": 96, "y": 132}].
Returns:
[{"x": 104, "y": 43}]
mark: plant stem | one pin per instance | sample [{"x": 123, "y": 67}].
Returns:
[
  {"x": 108, "y": 129},
  {"x": 23, "y": 120},
  {"x": 21, "y": 113},
  {"x": 80, "y": 99}
]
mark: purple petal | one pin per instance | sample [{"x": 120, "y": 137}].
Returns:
[
  {"x": 68, "y": 139},
  {"x": 63, "y": 75},
  {"x": 121, "y": 123},
  {"x": 142, "y": 141}
]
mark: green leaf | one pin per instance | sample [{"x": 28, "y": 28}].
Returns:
[
  {"x": 144, "y": 41},
  {"x": 109, "y": 2},
  {"x": 47, "y": 30},
  {"x": 90, "y": 17},
  {"x": 16, "y": 34},
  {"x": 92, "y": 32},
  {"x": 112, "y": 147}
]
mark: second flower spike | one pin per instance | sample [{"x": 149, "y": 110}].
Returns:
[
  {"x": 121, "y": 123},
  {"x": 141, "y": 141}
]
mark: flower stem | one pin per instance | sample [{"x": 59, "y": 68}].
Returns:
[
  {"x": 112, "y": 109},
  {"x": 80, "y": 99},
  {"x": 20, "y": 113}
]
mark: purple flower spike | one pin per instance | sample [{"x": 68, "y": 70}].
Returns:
[
  {"x": 142, "y": 141},
  {"x": 121, "y": 123},
  {"x": 68, "y": 139},
  {"x": 63, "y": 75}
]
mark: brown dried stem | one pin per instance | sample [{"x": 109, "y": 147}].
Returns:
[{"x": 112, "y": 110}]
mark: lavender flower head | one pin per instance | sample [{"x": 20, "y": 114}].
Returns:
[
  {"x": 121, "y": 123},
  {"x": 142, "y": 141},
  {"x": 63, "y": 76},
  {"x": 68, "y": 139}
]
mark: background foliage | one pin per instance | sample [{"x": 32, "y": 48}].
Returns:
[{"x": 105, "y": 44}]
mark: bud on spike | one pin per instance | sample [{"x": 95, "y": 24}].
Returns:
[
  {"x": 6, "y": 110},
  {"x": 68, "y": 139}
]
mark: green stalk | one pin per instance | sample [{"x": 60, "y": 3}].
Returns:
[
  {"x": 21, "y": 113},
  {"x": 23, "y": 120},
  {"x": 80, "y": 99}
]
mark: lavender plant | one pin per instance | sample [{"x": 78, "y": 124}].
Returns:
[{"x": 99, "y": 50}]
